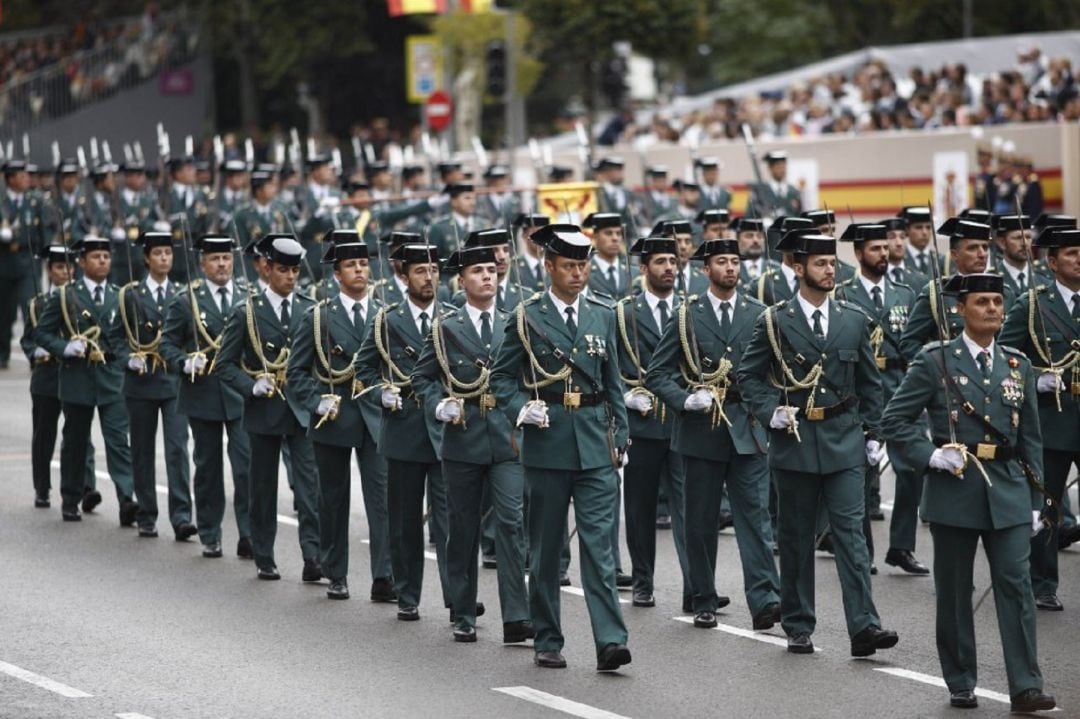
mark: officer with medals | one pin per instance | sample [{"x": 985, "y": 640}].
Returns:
[
  {"x": 530, "y": 263},
  {"x": 150, "y": 389},
  {"x": 557, "y": 375},
  {"x": 74, "y": 328},
  {"x": 823, "y": 422},
  {"x": 479, "y": 455},
  {"x": 608, "y": 275},
  {"x": 983, "y": 455},
  {"x": 387, "y": 357},
  {"x": 775, "y": 192},
  {"x": 721, "y": 443},
  {"x": 253, "y": 359},
  {"x": 887, "y": 305},
  {"x": 194, "y": 327},
  {"x": 322, "y": 379},
  {"x": 1044, "y": 324}
]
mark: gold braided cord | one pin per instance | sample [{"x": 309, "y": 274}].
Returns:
[
  {"x": 333, "y": 377},
  {"x": 637, "y": 386},
  {"x": 381, "y": 344},
  {"x": 144, "y": 351},
  {"x": 277, "y": 367},
  {"x": 877, "y": 339},
  {"x": 790, "y": 383},
  {"x": 33, "y": 312},
  {"x": 212, "y": 343},
  {"x": 90, "y": 337},
  {"x": 761, "y": 284},
  {"x": 455, "y": 387},
  {"x": 1071, "y": 360},
  {"x": 715, "y": 383},
  {"x": 549, "y": 378}
]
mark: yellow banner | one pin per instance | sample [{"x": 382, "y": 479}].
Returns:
[{"x": 567, "y": 201}]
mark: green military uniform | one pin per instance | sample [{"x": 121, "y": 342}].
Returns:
[
  {"x": 764, "y": 198},
  {"x": 72, "y": 212},
  {"x": 211, "y": 405},
  {"x": 253, "y": 222},
  {"x": 718, "y": 455},
  {"x": 927, "y": 315},
  {"x": 963, "y": 510},
  {"x": 496, "y": 210},
  {"x": 257, "y": 341},
  {"x": 187, "y": 209},
  {"x": 376, "y": 223},
  {"x": 448, "y": 234},
  {"x": 22, "y": 232},
  {"x": 136, "y": 331},
  {"x": 533, "y": 278},
  {"x": 572, "y": 457},
  {"x": 139, "y": 213},
  {"x": 761, "y": 281},
  {"x": 95, "y": 380},
  {"x": 714, "y": 197},
  {"x": 654, "y": 205},
  {"x": 616, "y": 198},
  {"x": 611, "y": 282},
  {"x": 478, "y": 455},
  {"x": 903, "y": 275},
  {"x": 838, "y": 413},
  {"x": 318, "y": 218}
]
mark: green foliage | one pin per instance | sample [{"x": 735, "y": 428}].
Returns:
[{"x": 466, "y": 35}]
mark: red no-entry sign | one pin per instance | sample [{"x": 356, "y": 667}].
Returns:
[{"x": 438, "y": 110}]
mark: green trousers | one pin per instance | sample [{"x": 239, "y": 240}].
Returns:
[
  {"x": 143, "y": 417},
  {"x": 653, "y": 464},
  {"x": 406, "y": 482},
  {"x": 1044, "y": 546},
  {"x": 595, "y": 495},
  {"x": 45, "y": 417},
  {"x": 843, "y": 495},
  {"x": 954, "y": 562},
  {"x": 504, "y": 483},
  {"x": 746, "y": 478},
  {"x": 905, "y": 512},
  {"x": 75, "y": 444},
  {"x": 265, "y": 452},
  {"x": 208, "y": 484}
]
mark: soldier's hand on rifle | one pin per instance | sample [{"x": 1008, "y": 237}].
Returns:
[
  {"x": 784, "y": 417},
  {"x": 875, "y": 452},
  {"x": 75, "y": 348},
  {"x": 448, "y": 410},
  {"x": 534, "y": 413},
  {"x": 264, "y": 386},
  {"x": 948, "y": 459},
  {"x": 40, "y": 353},
  {"x": 136, "y": 364},
  {"x": 700, "y": 401},
  {"x": 1048, "y": 382},
  {"x": 638, "y": 401},
  {"x": 391, "y": 398}
]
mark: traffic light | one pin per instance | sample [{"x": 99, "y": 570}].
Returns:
[
  {"x": 613, "y": 80},
  {"x": 495, "y": 68}
]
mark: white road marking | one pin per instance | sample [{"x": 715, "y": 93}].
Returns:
[
  {"x": 552, "y": 701},
  {"x": 44, "y": 682},
  {"x": 428, "y": 555},
  {"x": 747, "y": 633},
  {"x": 887, "y": 506},
  {"x": 939, "y": 682},
  {"x": 132, "y": 715},
  {"x": 578, "y": 591}
]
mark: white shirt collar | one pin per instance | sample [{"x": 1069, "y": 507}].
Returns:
[
  {"x": 415, "y": 311},
  {"x": 1066, "y": 295},
  {"x": 808, "y": 310},
  {"x": 15, "y": 196},
  {"x": 869, "y": 285},
  {"x": 533, "y": 262},
  {"x": 759, "y": 264},
  {"x": 604, "y": 264},
  {"x": 403, "y": 288},
  {"x": 348, "y": 302},
  {"x": 275, "y": 300},
  {"x": 975, "y": 349},
  {"x": 130, "y": 196},
  {"x": 1014, "y": 273},
  {"x": 474, "y": 315},
  {"x": 561, "y": 306},
  {"x": 652, "y": 300},
  {"x": 715, "y": 302},
  {"x": 214, "y": 287},
  {"x": 91, "y": 285},
  {"x": 152, "y": 285}
]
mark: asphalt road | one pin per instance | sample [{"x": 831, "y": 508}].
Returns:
[{"x": 95, "y": 622}]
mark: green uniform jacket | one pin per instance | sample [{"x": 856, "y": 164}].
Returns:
[
  {"x": 764, "y": 200},
  {"x": 693, "y": 434},
  {"x": 195, "y": 223},
  {"x": 834, "y": 444},
  {"x": 145, "y": 322},
  {"x": 512, "y": 297},
  {"x": 715, "y": 197},
  {"x": 28, "y": 224},
  {"x": 601, "y": 283},
  {"x": 1063, "y": 332},
  {"x": 922, "y": 326},
  {"x": 638, "y": 337},
  {"x": 576, "y": 439},
  {"x": 761, "y": 287},
  {"x": 530, "y": 281},
  {"x": 44, "y": 373},
  {"x": 1008, "y": 400},
  {"x": 82, "y": 382},
  {"x": 481, "y": 438},
  {"x": 908, "y": 276},
  {"x": 443, "y": 235},
  {"x": 654, "y": 206},
  {"x": 208, "y": 398},
  {"x": 501, "y": 216},
  {"x": 262, "y": 415},
  {"x": 339, "y": 341},
  {"x": 73, "y": 212},
  {"x": 892, "y": 318}
]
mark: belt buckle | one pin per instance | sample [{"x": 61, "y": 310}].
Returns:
[
  {"x": 720, "y": 393},
  {"x": 96, "y": 357},
  {"x": 986, "y": 451},
  {"x": 571, "y": 400},
  {"x": 487, "y": 401},
  {"x": 881, "y": 362},
  {"x": 1074, "y": 389},
  {"x": 816, "y": 414}
]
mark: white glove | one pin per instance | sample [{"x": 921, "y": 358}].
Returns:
[
  {"x": 783, "y": 417},
  {"x": 136, "y": 364},
  {"x": 699, "y": 401},
  {"x": 534, "y": 414},
  {"x": 40, "y": 352},
  {"x": 875, "y": 452},
  {"x": 447, "y": 410},
  {"x": 1048, "y": 382},
  {"x": 437, "y": 201},
  {"x": 263, "y": 387},
  {"x": 638, "y": 401},
  {"x": 624, "y": 458},
  {"x": 198, "y": 364},
  {"x": 1036, "y": 523},
  {"x": 75, "y": 348},
  {"x": 325, "y": 405},
  {"x": 391, "y": 398},
  {"x": 117, "y": 233},
  {"x": 5, "y": 234},
  {"x": 162, "y": 226},
  {"x": 948, "y": 459},
  {"x": 331, "y": 202}
]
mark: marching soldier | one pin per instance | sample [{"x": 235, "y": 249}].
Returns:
[
  {"x": 687, "y": 201},
  {"x": 887, "y": 305},
  {"x": 557, "y": 375},
  {"x": 899, "y": 271},
  {"x": 187, "y": 211},
  {"x": 1012, "y": 236},
  {"x": 1029, "y": 189},
  {"x": 74, "y": 328},
  {"x": 613, "y": 195},
  {"x": 447, "y": 233},
  {"x": 688, "y": 281},
  {"x": 69, "y": 201},
  {"x": 975, "y": 487},
  {"x": 507, "y": 293},
  {"x": 776, "y": 195},
  {"x": 387, "y": 357},
  {"x": 139, "y": 213},
  {"x": 607, "y": 275},
  {"x": 819, "y": 350},
  {"x": 150, "y": 388},
  {"x": 1044, "y": 324},
  {"x": 713, "y": 224},
  {"x": 498, "y": 204},
  {"x": 234, "y": 191},
  {"x": 211, "y": 405},
  {"x": 22, "y": 230},
  {"x": 260, "y": 217},
  {"x": 920, "y": 231},
  {"x": 722, "y": 444},
  {"x": 322, "y": 378},
  {"x": 825, "y": 224},
  {"x": 652, "y": 460},
  {"x": 253, "y": 358},
  {"x": 756, "y": 271},
  {"x": 714, "y": 196},
  {"x": 530, "y": 263},
  {"x": 776, "y": 287},
  {"x": 478, "y": 455},
  {"x": 319, "y": 200},
  {"x": 106, "y": 219},
  {"x": 655, "y": 201}
]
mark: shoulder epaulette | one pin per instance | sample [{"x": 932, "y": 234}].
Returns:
[
  {"x": 390, "y": 306},
  {"x": 600, "y": 299},
  {"x": 753, "y": 300},
  {"x": 934, "y": 345},
  {"x": 196, "y": 284},
  {"x": 1012, "y": 351},
  {"x": 692, "y": 299},
  {"x": 536, "y": 297},
  {"x": 303, "y": 297}
]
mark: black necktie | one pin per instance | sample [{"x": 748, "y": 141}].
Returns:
[
  {"x": 613, "y": 278},
  {"x": 425, "y": 326},
  {"x": 898, "y": 275},
  {"x": 500, "y": 298},
  {"x": 357, "y": 315},
  {"x": 98, "y": 298},
  {"x": 682, "y": 282},
  {"x": 665, "y": 316},
  {"x": 984, "y": 363},
  {"x": 1076, "y": 307},
  {"x": 570, "y": 324},
  {"x": 284, "y": 313},
  {"x": 921, "y": 262},
  {"x": 160, "y": 295},
  {"x": 485, "y": 328},
  {"x": 1022, "y": 281},
  {"x": 875, "y": 292},
  {"x": 725, "y": 317},
  {"x": 819, "y": 332},
  {"x": 223, "y": 299}
]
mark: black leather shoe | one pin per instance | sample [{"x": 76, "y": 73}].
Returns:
[
  {"x": 643, "y": 598},
  {"x": 212, "y": 550},
  {"x": 869, "y": 640},
  {"x": 1049, "y": 602},
  {"x": 464, "y": 634},
  {"x": 128, "y": 510},
  {"x": 270, "y": 573},
  {"x": 623, "y": 581},
  {"x": 41, "y": 501},
  {"x": 1068, "y": 535},
  {"x": 705, "y": 620},
  {"x": 514, "y": 632},
  {"x": 905, "y": 560},
  {"x": 339, "y": 589},
  {"x": 1032, "y": 700},
  {"x": 564, "y": 580},
  {"x": 185, "y": 531},
  {"x": 722, "y": 601},
  {"x": 71, "y": 514},
  {"x": 877, "y": 516},
  {"x": 663, "y": 521},
  {"x": 408, "y": 614},
  {"x": 964, "y": 699},
  {"x": 91, "y": 498},
  {"x": 726, "y": 520},
  {"x": 826, "y": 545},
  {"x": 800, "y": 644},
  {"x": 687, "y": 605},
  {"x": 612, "y": 657},
  {"x": 480, "y": 609},
  {"x": 873, "y": 569},
  {"x": 243, "y": 549},
  {"x": 382, "y": 590},
  {"x": 488, "y": 561},
  {"x": 767, "y": 617},
  {"x": 312, "y": 571},
  {"x": 148, "y": 532},
  {"x": 549, "y": 660}
]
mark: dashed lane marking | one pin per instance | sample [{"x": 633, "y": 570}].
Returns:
[
  {"x": 44, "y": 682},
  {"x": 553, "y": 701},
  {"x": 747, "y": 634}
]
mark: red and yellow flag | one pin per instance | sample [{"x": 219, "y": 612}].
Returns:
[{"x": 416, "y": 7}]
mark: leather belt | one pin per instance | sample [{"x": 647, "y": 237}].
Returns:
[
  {"x": 985, "y": 451},
  {"x": 572, "y": 400},
  {"x": 818, "y": 414},
  {"x": 886, "y": 363},
  {"x": 484, "y": 401}
]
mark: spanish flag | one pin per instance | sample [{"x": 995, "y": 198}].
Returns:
[{"x": 416, "y": 7}]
